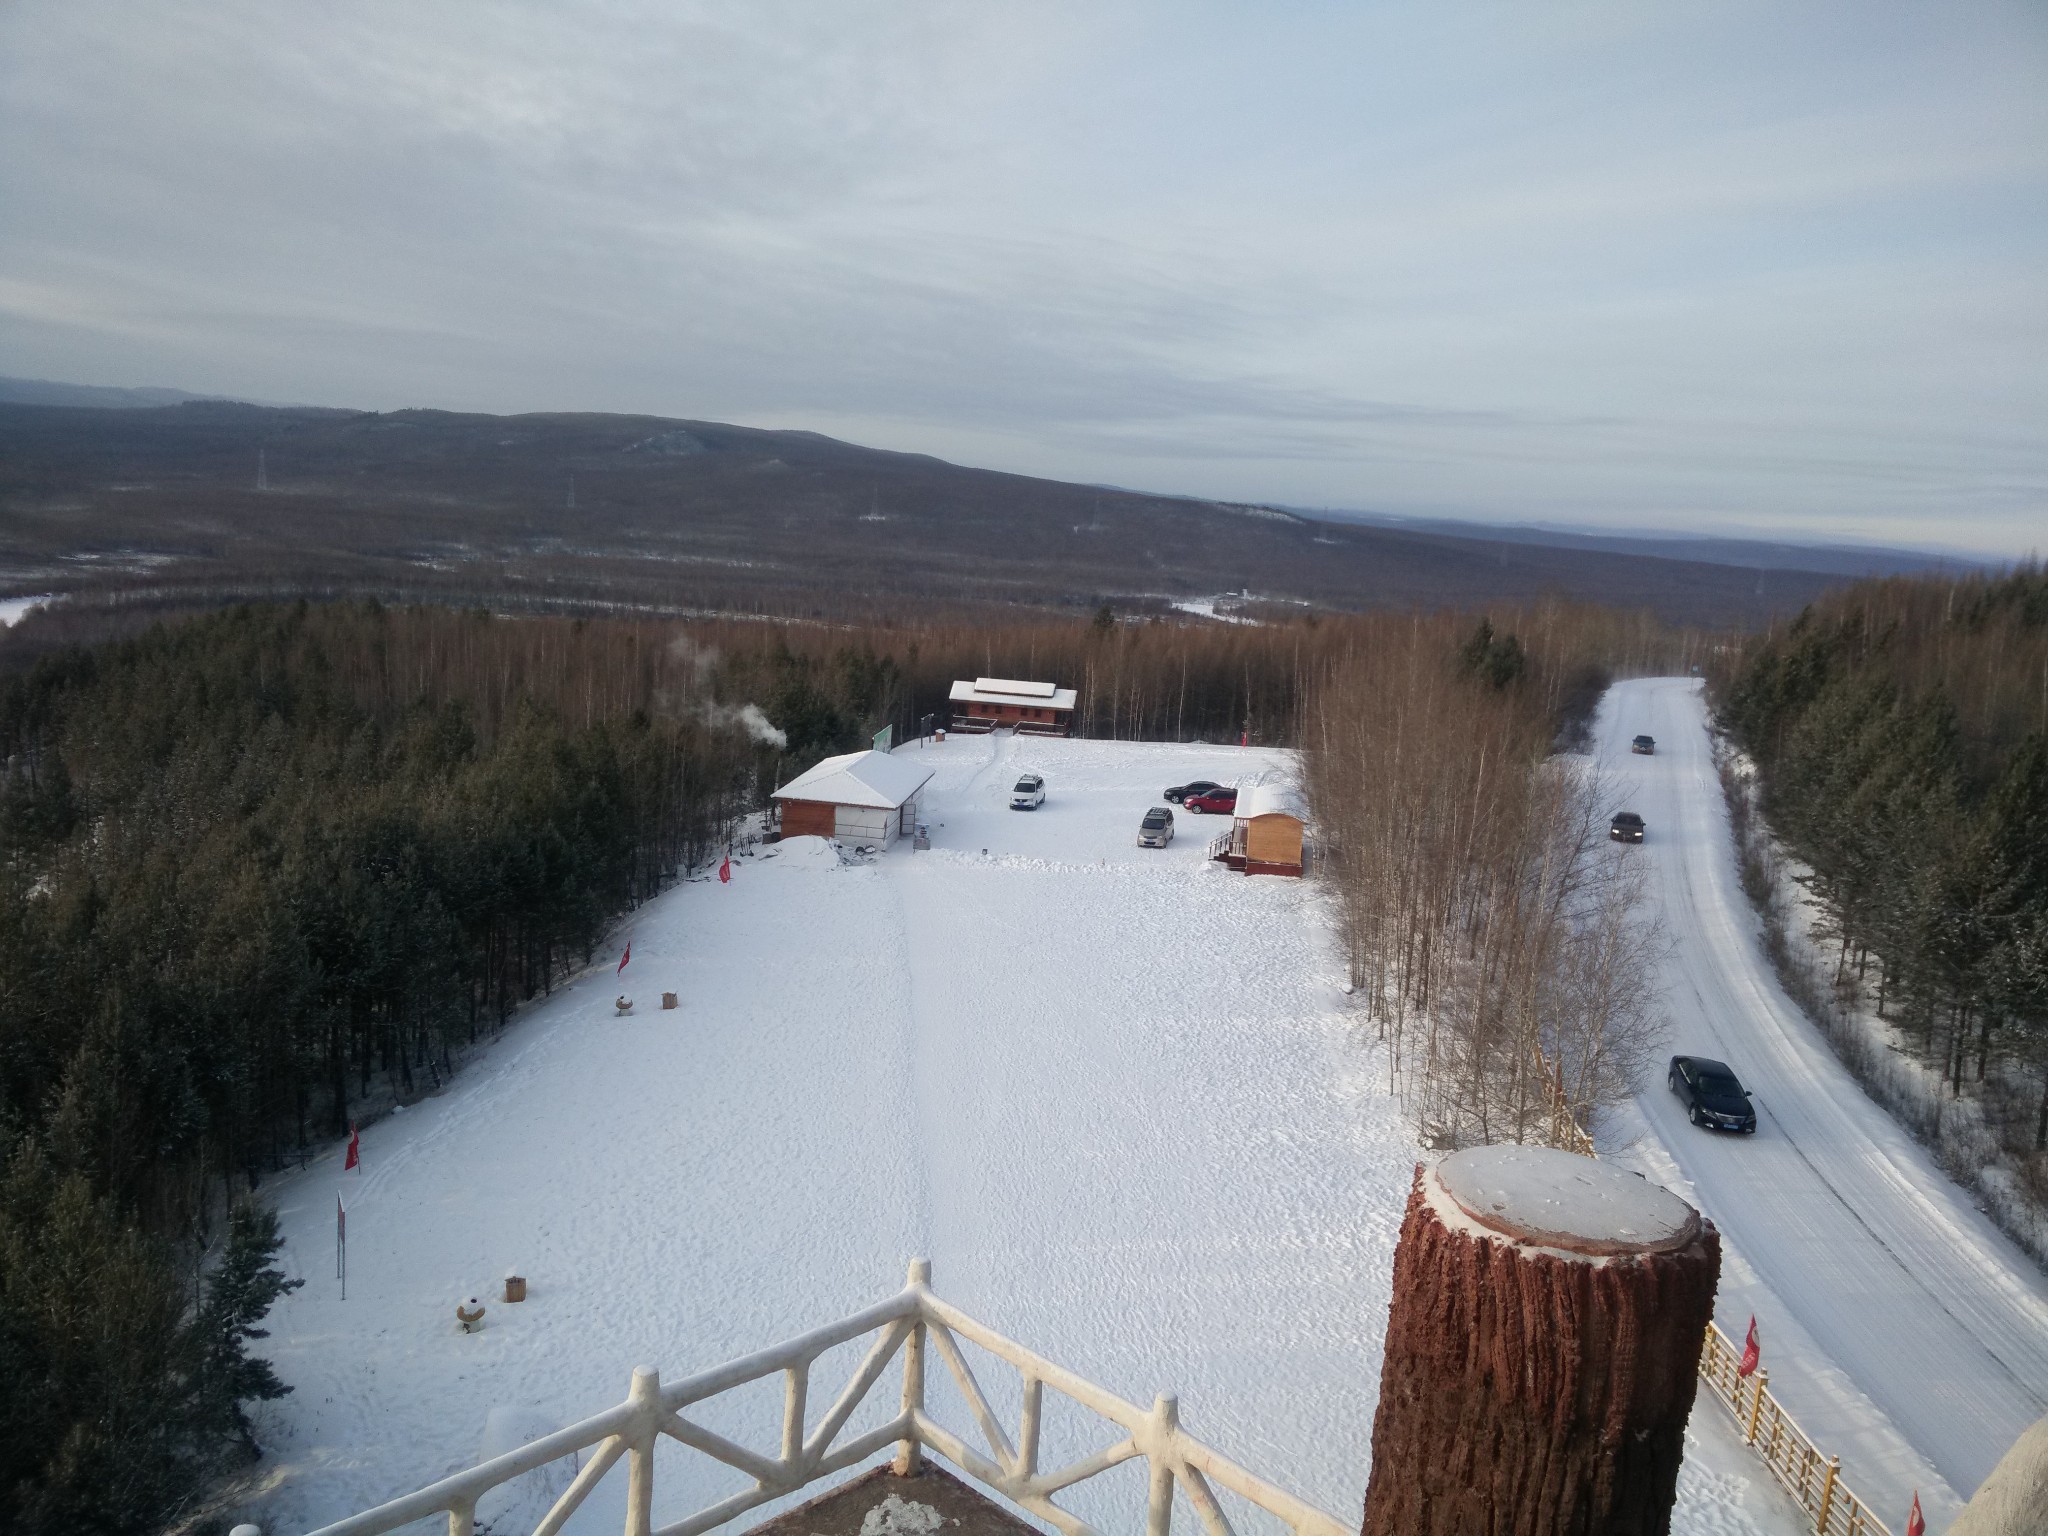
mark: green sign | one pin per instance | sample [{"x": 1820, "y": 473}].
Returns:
[{"x": 885, "y": 738}]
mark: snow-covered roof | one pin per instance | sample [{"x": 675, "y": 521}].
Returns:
[
  {"x": 1267, "y": 797},
  {"x": 870, "y": 778},
  {"x": 1008, "y": 690}
]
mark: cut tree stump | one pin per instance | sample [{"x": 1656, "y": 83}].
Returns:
[{"x": 1543, "y": 1348}]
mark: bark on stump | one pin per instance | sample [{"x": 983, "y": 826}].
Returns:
[{"x": 1543, "y": 1348}]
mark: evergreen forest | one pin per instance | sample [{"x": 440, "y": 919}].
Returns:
[{"x": 1899, "y": 730}]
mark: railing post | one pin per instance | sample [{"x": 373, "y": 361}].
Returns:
[
  {"x": 462, "y": 1519},
  {"x": 1756, "y": 1405},
  {"x": 908, "y": 1453},
  {"x": 1159, "y": 1503},
  {"x": 1827, "y": 1494},
  {"x": 1028, "y": 1423},
  {"x": 646, "y": 1397}
]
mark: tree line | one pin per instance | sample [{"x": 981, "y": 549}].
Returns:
[
  {"x": 1899, "y": 730},
  {"x": 1495, "y": 937},
  {"x": 257, "y": 869}
]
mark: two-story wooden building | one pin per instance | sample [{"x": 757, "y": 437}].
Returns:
[{"x": 1034, "y": 709}]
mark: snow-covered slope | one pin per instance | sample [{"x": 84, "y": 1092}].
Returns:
[
  {"x": 1901, "y": 1328},
  {"x": 1111, "y": 1092}
]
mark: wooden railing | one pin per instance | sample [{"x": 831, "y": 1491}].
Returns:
[
  {"x": 1811, "y": 1478},
  {"x": 908, "y": 1323}
]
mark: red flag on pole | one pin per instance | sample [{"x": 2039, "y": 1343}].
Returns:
[
  {"x": 1752, "y": 1351},
  {"x": 725, "y": 870},
  {"x": 625, "y": 957},
  {"x": 355, "y": 1149},
  {"x": 1916, "y": 1523}
]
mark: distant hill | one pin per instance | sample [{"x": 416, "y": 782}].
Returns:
[
  {"x": 90, "y": 396},
  {"x": 650, "y": 512},
  {"x": 1852, "y": 560}
]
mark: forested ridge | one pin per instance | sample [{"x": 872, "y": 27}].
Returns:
[{"x": 1900, "y": 732}]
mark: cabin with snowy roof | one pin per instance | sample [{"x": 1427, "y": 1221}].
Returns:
[
  {"x": 1268, "y": 831},
  {"x": 857, "y": 797},
  {"x": 1033, "y": 709}
]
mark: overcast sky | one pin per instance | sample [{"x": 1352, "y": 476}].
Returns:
[{"x": 1777, "y": 268}]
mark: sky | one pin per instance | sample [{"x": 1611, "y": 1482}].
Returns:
[{"x": 1772, "y": 269}]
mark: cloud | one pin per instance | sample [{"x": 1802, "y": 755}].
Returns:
[{"x": 1700, "y": 264}]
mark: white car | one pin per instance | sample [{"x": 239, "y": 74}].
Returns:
[
  {"x": 1156, "y": 830},
  {"x": 1029, "y": 794}
]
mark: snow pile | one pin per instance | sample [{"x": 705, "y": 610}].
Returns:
[
  {"x": 803, "y": 853},
  {"x": 896, "y": 1516}
]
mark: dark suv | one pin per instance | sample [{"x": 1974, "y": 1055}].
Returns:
[
  {"x": 1712, "y": 1095},
  {"x": 1627, "y": 827},
  {"x": 1645, "y": 745}
]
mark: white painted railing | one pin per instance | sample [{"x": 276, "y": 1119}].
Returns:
[{"x": 906, "y": 1323}]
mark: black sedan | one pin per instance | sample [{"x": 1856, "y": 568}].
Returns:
[
  {"x": 1180, "y": 792},
  {"x": 1712, "y": 1094}
]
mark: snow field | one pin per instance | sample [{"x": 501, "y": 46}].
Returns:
[{"x": 1112, "y": 1093}]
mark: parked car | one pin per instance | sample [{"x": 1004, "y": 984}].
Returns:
[
  {"x": 1029, "y": 794},
  {"x": 1645, "y": 745},
  {"x": 1156, "y": 830},
  {"x": 1712, "y": 1094},
  {"x": 1220, "y": 801},
  {"x": 1179, "y": 793},
  {"x": 1627, "y": 827}
]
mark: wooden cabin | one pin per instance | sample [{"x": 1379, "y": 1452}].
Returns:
[
  {"x": 1033, "y": 709},
  {"x": 1269, "y": 829},
  {"x": 857, "y": 797}
]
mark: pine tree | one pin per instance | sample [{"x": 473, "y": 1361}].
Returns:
[{"x": 239, "y": 1294}]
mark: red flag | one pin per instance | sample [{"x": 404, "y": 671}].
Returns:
[
  {"x": 1752, "y": 1351},
  {"x": 355, "y": 1149},
  {"x": 725, "y": 870},
  {"x": 1916, "y": 1523},
  {"x": 625, "y": 957},
  {"x": 340, "y": 1221}
]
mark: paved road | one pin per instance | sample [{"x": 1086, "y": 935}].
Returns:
[{"x": 1873, "y": 1257}]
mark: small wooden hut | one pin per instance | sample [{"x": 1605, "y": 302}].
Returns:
[{"x": 1270, "y": 832}]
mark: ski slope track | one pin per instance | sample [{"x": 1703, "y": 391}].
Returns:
[
  {"x": 1118, "y": 1096},
  {"x": 1902, "y": 1329}
]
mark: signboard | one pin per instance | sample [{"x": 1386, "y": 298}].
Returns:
[{"x": 885, "y": 738}]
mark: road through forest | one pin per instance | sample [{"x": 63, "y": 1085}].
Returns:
[{"x": 1904, "y": 1331}]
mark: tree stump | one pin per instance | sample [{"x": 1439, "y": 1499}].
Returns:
[{"x": 1543, "y": 1348}]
